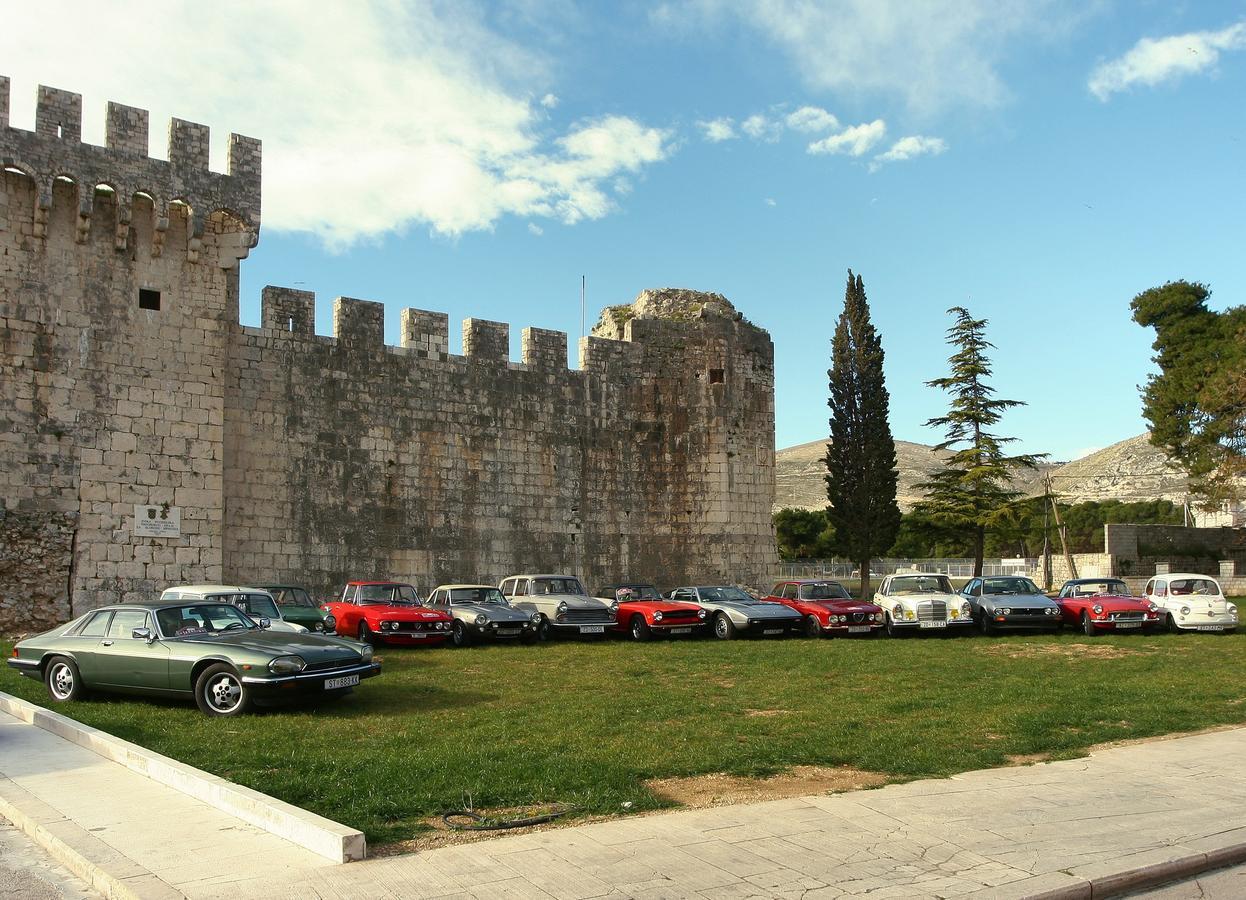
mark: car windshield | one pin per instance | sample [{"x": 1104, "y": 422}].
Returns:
[
  {"x": 1110, "y": 588},
  {"x": 921, "y": 584},
  {"x": 292, "y": 597},
  {"x": 1201, "y": 587},
  {"x": 1009, "y": 586},
  {"x": 202, "y": 618},
  {"x": 638, "y": 592},
  {"x": 477, "y": 595},
  {"x": 723, "y": 593},
  {"x": 826, "y": 590},
  {"x": 556, "y": 586},
  {"x": 255, "y": 605},
  {"x": 395, "y": 594}
]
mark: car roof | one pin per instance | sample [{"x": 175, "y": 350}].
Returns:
[
  {"x": 614, "y": 585},
  {"x": 211, "y": 589},
  {"x": 542, "y": 575},
  {"x": 403, "y": 583},
  {"x": 809, "y": 581},
  {"x": 1098, "y": 580},
  {"x": 275, "y": 587},
  {"x": 455, "y": 587},
  {"x": 1186, "y": 575}
]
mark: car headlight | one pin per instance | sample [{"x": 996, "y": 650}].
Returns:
[
  {"x": 562, "y": 608},
  {"x": 482, "y": 620},
  {"x": 657, "y": 615},
  {"x": 1097, "y": 609},
  {"x": 701, "y": 614},
  {"x": 286, "y": 665},
  {"x": 1232, "y": 609},
  {"x": 614, "y": 606},
  {"x": 897, "y": 610},
  {"x": 966, "y": 610},
  {"x": 366, "y": 653},
  {"x": 1185, "y": 610},
  {"x": 536, "y": 617},
  {"x": 1005, "y": 611},
  {"x": 330, "y": 623}
]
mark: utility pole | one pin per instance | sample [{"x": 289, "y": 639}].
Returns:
[
  {"x": 1064, "y": 540},
  {"x": 1047, "y": 537}
]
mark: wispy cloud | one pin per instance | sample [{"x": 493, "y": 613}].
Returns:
[
  {"x": 908, "y": 147},
  {"x": 761, "y": 128},
  {"x": 1153, "y": 61},
  {"x": 854, "y": 141},
  {"x": 718, "y": 130},
  {"x": 811, "y": 119},
  {"x": 428, "y": 118}
]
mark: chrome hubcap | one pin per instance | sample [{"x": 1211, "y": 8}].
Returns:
[
  {"x": 721, "y": 627},
  {"x": 62, "y": 681},
  {"x": 224, "y": 693}
]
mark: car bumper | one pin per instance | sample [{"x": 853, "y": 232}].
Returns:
[
  {"x": 24, "y": 666},
  {"x": 850, "y": 628},
  {"x": 771, "y": 627},
  {"x": 1221, "y": 624},
  {"x": 583, "y": 627},
  {"x": 1132, "y": 625},
  {"x": 685, "y": 627},
  {"x": 502, "y": 631},
  {"x": 309, "y": 682},
  {"x": 406, "y": 638},
  {"x": 938, "y": 625},
  {"x": 1015, "y": 621}
]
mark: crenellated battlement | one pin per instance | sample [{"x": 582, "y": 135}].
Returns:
[{"x": 54, "y": 152}]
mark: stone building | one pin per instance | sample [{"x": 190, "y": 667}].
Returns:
[{"x": 147, "y": 438}]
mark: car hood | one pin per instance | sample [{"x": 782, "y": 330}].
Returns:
[
  {"x": 756, "y": 609},
  {"x": 843, "y": 606},
  {"x": 403, "y": 613},
  {"x": 302, "y": 614},
  {"x": 495, "y": 611},
  {"x": 1034, "y": 600},
  {"x": 573, "y": 601},
  {"x": 656, "y": 605},
  {"x": 914, "y": 599},
  {"x": 1114, "y": 603},
  {"x": 312, "y": 647}
]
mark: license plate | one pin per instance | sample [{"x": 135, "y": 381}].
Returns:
[
  {"x": 345, "y": 681},
  {"x": 858, "y": 629},
  {"x": 592, "y": 629},
  {"x": 1211, "y": 628},
  {"x": 681, "y": 631},
  {"x": 773, "y": 631},
  {"x": 932, "y": 624},
  {"x": 1128, "y": 624},
  {"x": 508, "y": 632}
]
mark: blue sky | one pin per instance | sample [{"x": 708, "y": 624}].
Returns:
[{"x": 1038, "y": 162}]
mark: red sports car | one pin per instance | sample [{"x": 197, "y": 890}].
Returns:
[
  {"x": 644, "y": 613},
  {"x": 1097, "y": 605},
  {"x": 828, "y": 608},
  {"x": 388, "y": 612}
]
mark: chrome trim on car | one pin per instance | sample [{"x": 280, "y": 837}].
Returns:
[
  {"x": 17, "y": 663},
  {"x": 318, "y": 675}
]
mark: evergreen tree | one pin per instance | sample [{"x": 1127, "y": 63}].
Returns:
[
  {"x": 973, "y": 487},
  {"x": 861, "y": 457}
]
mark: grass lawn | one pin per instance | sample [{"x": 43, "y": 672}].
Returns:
[{"x": 589, "y": 723}]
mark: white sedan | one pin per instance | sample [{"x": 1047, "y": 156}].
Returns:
[
  {"x": 919, "y": 601},
  {"x": 1191, "y": 602}
]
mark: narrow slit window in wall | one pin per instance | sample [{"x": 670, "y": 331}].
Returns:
[{"x": 148, "y": 299}]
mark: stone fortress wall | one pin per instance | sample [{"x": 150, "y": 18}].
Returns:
[{"x": 128, "y": 389}]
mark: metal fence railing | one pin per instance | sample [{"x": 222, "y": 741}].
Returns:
[{"x": 955, "y": 568}]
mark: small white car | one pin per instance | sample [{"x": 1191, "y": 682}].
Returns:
[
  {"x": 920, "y": 601},
  {"x": 1190, "y": 602},
  {"x": 562, "y": 603},
  {"x": 257, "y": 604}
]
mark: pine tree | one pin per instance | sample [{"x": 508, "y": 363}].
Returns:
[
  {"x": 861, "y": 457},
  {"x": 973, "y": 487}
]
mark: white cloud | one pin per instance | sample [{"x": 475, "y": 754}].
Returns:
[
  {"x": 534, "y": 228},
  {"x": 718, "y": 130},
  {"x": 761, "y": 128},
  {"x": 854, "y": 141},
  {"x": 375, "y": 117},
  {"x": 770, "y": 201},
  {"x": 549, "y": 101},
  {"x": 908, "y": 147},
  {"x": 811, "y": 119},
  {"x": 934, "y": 54},
  {"x": 1154, "y": 60}
]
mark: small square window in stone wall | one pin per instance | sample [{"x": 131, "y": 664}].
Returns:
[
  {"x": 716, "y": 376},
  {"x": 148, "y": 299}
]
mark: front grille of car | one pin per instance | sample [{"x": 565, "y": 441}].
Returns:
[
  {"x": 1130, "y": 616},
  {"x": 1025, "y": 611},
  {"x": 331, "y": 664},
  {"x": 858, "y": 617},
  {"x": 584, "y": 615},
  {"x": 416, "y": 626},
  {"x": 932, "y": 611},
  {"x": 676, "y": 614}
]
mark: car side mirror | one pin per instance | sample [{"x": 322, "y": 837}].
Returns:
[
  {"x": 266, "y": 622},
  {"x": 142, "y": 634}
]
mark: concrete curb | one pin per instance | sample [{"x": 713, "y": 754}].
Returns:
[{"x": 321, "y": 836}]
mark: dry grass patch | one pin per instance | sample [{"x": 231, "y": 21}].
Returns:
[
  {"x": 1027, "y": 759},
  {"x": 1070, "y": 651},
  {"x": 720, "y": 789}
]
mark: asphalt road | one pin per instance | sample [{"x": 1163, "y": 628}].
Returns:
[{"x": 27, "y": 872}]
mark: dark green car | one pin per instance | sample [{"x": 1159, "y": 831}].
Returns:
[
  {"x": 297, "y": 606},
  {"x": 212, "y": 651}
]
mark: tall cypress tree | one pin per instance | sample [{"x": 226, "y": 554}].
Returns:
[
  {"x": 973, "y": 487},
  {"x": 861, "y": 457}
]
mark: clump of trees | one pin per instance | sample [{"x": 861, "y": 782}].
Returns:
[
  {"x": 803, "y": 534},
  {"x": 1196, "y": 405}
]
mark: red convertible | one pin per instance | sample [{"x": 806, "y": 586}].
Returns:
[
  {"x": 644, "y": 613},
  {"x": 1105, "y": 604},
  {"x": 828, "y": 608},
  {"x": 388, "y": 612}
]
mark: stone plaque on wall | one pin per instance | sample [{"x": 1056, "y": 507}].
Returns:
[{"x": 157, "y": 521}]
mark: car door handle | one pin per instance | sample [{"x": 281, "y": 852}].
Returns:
[{"x": 106, "y": 643}]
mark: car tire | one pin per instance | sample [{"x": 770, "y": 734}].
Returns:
[
  {"x": 639, "y": 629},
  {"x": 544, "y": 631},
  {"x": 812, "y": 629},
  {"x": 724, "y": 630},
  {"x": 365, "y": 633},
  {"x": 985, "y": 625},
  {"x": 219, "y": 691},
  {"x": 1088, "y": 627},
  {"x": 63, "y": 680},
  {"x": 892, "y": 630},
  {"x": 459, "y": 636}
]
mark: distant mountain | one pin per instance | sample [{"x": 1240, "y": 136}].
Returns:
[{"x": 1130, "y": 470}]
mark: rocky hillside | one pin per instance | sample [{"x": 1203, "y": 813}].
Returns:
[{"x": 1132, "y": 469}]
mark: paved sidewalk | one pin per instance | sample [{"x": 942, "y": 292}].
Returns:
[{"x": 997, "y": 833}]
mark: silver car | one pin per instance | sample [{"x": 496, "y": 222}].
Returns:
[
  {"x": 733, "y": 612},
  {"x": 481, "y": 613},
  {"x": 563, "y": 604}
]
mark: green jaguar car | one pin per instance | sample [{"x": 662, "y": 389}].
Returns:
[{"x": 212, "y": 651}]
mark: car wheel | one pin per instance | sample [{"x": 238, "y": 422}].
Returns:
[
  {"x": 220, "y": 692},
  {"x": 812, "y": 629},
  {"x": 458, "y": 634},
  {"x": 892, "y": 629},
  {"x": 544, "y": 631},
  {"x": 62, "y": 680},
  {"x": 985, "y": 625},
  {"x": 365, "y": 633},
  {"x": 1171, "y": 624},
  {"x": 1087, "y": 627},
  {"x": 723, "y": 629},
  {"x": 639, "y": 628}
]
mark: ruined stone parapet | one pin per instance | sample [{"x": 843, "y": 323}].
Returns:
[{"x": 54, "y": 152}]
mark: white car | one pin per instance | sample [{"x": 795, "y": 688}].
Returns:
[
  {"x": 1191, "y": 602},
  {"x": 562, "y": 603},
  {"x": 257, "y": 604},
  {"x": 921, "y": 601}
]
